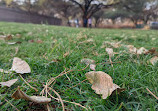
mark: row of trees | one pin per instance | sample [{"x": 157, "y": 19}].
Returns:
[{"x": 135, "y": 10}]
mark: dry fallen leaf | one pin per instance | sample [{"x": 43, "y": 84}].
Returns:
[
  {"x": 18, "y": 35},
  {"x": 131, "y": 49},
  {"x": 6, "y": 37},
  {"x": 8, "y": 83},
  {"x": 87, "y": 61},
  {"x": 90, "y": 62},
  {"x": 152, "y": 51},
  {"x": 11, "y": 43},
  {"x": 110, "y": 52},
  {"x": 9, "y": 37},
  {"x": 92, "y": 67},
  {"x": 2, "y": 37},
  {"x": 142, "y": 50},
  {"x": 39, "y": 41},
  {"x": 154, "y": 60},
  {"x": 18, "y": 94},
  {"x": 20, "y": 66},
  {"x": 31, "y": 41},
  {"x": 113, "y": 44},
  {"x": 102, "y": 83}
]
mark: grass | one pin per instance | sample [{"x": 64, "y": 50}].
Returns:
[{"x": 133, "y": 73}]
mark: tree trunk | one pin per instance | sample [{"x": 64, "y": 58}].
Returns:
[
  {"x": 96, "y": 22},
  {"x": 134, "y": 21},
  {"x": 85, "y": 21}
]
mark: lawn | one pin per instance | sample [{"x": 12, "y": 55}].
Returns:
[{"x": 50, "y": 50}]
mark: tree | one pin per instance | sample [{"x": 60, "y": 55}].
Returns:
[
  {"x": 65, "y": 10},
  {"x": 90, "y": 7},
  {"x": 139, "y": 10},
  {"x": 98, "y": 16}
]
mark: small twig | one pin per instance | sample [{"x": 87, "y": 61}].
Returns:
[
  {"x": 11, "y": 104},
  {"x": 152, "y": 93},
  {"x": 28, "y": 83},
  {"x": 61, "y": 74},
  {"x": 75, "y": 85},
  {"x": 46, "y": 89},
  {"x": 67, "y": 77},
  {"x": 48, "y": 107},
  {"x": 111, "y": 62},
  {"x": 59, "y": 98},
  {"x": 68, "y": 101},
  {"x": 84, "y": 68}
]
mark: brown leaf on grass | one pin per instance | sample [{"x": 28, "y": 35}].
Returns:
[
  {"x": 31, "y": 41},
  {"x": 90, "y": 62},
  {"x": 88, "y": 41},
  {"x": 18, "y": 35},
  {"x": 154, "y": 60},
  {"x": 18, "y": 94},
  {"x": 9, "y": 37},
  {"x": 8, "y": 83},
  {"x": 131, "y": 49},
  {"x": 152, "y": 51},
  {"x": 2, "y": 37},
  {"x": 142, "y": 50},
  {"x": 6, "y": 37},
  {"x": 113, "y": 44},
  {"x": 92, "y": 67},
  {"x": 87, "y": 61},
  {"x": 110, "y": 52},
  {"x": 39, "y": 41},
  {"x": 20, "y": 66},
  {"x": 12, "y": 43},
  {"x": 102, "y": 83}
]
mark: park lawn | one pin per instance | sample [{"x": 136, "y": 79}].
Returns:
[{"x": 63, "y": 48}]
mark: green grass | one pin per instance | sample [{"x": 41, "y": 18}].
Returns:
[{"x": 133, "y": 73}]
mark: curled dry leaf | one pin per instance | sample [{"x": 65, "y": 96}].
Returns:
[
  {"x": 92, "y": 67},
  {"x": 6, "y": 37},
  {"x": 18, "y": 35},
  {"x": 8, "y": 83},
  {"x": 87, "y": 61},
  {"x": 39, "y": 41},
  {"x": 154, "y": 60},
  {"x": 110, "y": 52},
  {"x": 31, "y": 41},
  {"x": 152, "y": 51},
  {"x": 113, "y": 44},
  {"x": 102, "y": 83},
  {"x": 88, "y": 41},
  {"x": 142, "y": 50},
  {"x": 11, "y": 43},
  {"x": 18, "y": 94},
  {"x": 131, "y": 49},
  {"x": 20, "y": 66}
]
